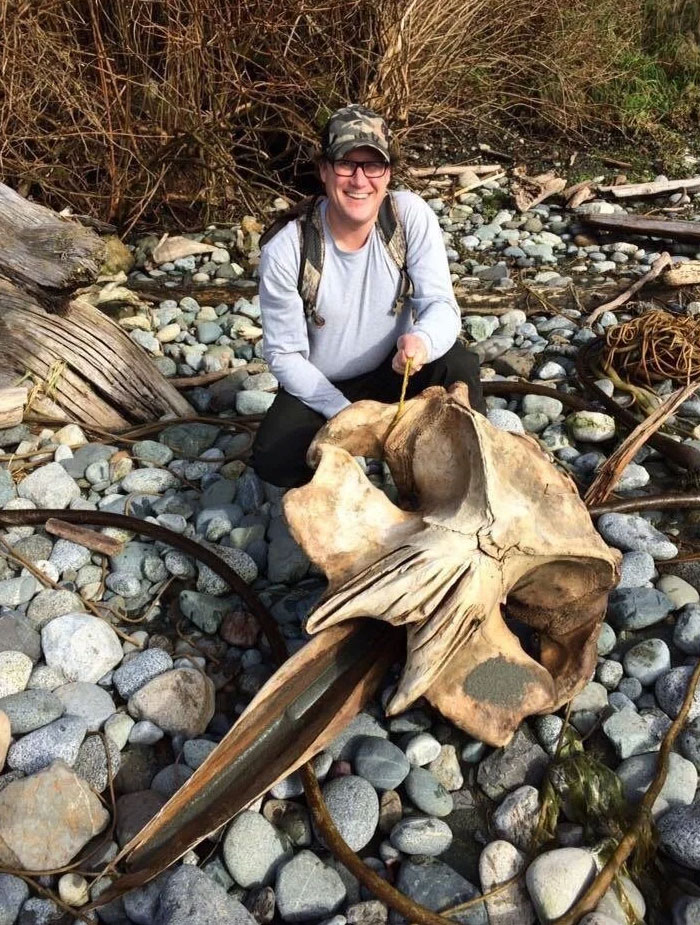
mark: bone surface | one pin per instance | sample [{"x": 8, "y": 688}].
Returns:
[{"x": 498, "y": 535}]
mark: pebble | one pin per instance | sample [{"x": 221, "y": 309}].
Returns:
[
  {"x": 82, "y": 646},
  {"x": 446, "y": 768},
  {"x": 686, "y": 632},
  {"x": 638, "y": 772},
  {"x": 609, "y": 673},
  {"x": 637, "y": 608},
  {"x": 88, "y": 701},
  {"x": 145, "y": 733},
  {"x": 16, "y": 591},
  {"x": 670, "y": 691},
  {"x": 629, "y": 733},
  {"x": 500, "y": 861},
  {"x": 13, "y": 893},
  {"x": 593, "y": 698},
  {"x": 606, "y": 640},
  {"x": 556, "y": 879},
  {"x": 679, "y": 835},
  {"x": 632, "y": 533},
  {"x": 190, "y": 897},
  {"x": 139, "y": 670},
  {"x": 15, "y": 670},
  {"x": 354, "y": 808},
  {"x": 306, "y": 889},
  {"x": 49, "y": 486},
  {"x": 505, "y": 420},
  {"x": 380, "y": 762},
  {"x": 678, "y": 590},
  {"x": 435, "y": 885},
  {"x": 149, "y": 481},
  {"x": 647, "y": 661},
  {"x": 292, "y": 786},
  {"x": 591, "y": 426},
  {"x": 118, "y": 727},
  {"x": 253, "y": 849},
  {"x": 427, "y": 794},
  {"x": 51, "y": 603},
  {"x": 344, "y": 745},
  {"x": 637, "y": 569},
  {"x": 134, "y": 810},
  {"x": 180, "y": 702},
  {"x": 92, "y": 763},
  {"x": 515, "y": 820},
  {"x": 523, "y": 760},
  {"x": 421, "y": 835},
  {"x": 422, "y": 749},
  {"x": 291, "y": 819}
]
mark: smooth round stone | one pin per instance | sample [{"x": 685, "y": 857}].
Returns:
[
  {"x": 592, "y": 699},
  {"x": 422, "y": 749},
  {"x": 637, "y": 608},
  {"x": 169, "y": 780},
  {"x": 196, "y": 751},
  {"x": 354, "y": 808},
  {"x": 82, "y": 646},
  {"x": 139, "y": 670},
  {"x": 425, "y": 836},
  {"x": 647, "y": 661},
  {"x": 38, "y": 749},
  {"x": 498, "y": 862},
  {"x": 307, "y": 890},
  {"x": 149, "y": 481},
  {"x": 689, "y": 741},
  {"x": 91, "y": 763},
  {"x": 535, "y": 423},
  {"x": 145, "y": 733},
  {"x": 638, "y": 772},
  {"x": 118, "y": 727},
  {"x": 557, "y": 879},
  {"x": 680, "y": 592},
  {"x": 446, "y": 769},
  {"x": 31, "y": 709},
  {"x": 548, "y": 729},
  {"x": 380, "y": 762},
  {"x": 542, "y": 404},
  {"x": 253, "y": 849},
  {"x": 607, "y": 640},
  {"x": 637, "y": 569},
  {"x": 15, "y": 671},
  {"x": 630, "y": 687},
  {"x": 505, "y": 420},
  {"x": 670, "y": 691},
  {"x": 633, "y": 476},
  {"x": 611, "y": 905},
  {"x": 473, "y": 751},
  {"x": 629, "y": 733},
  {"x": 13, "y": 893},
  {"x": 150, "y": 451},
  {"x": 609, "y": 673},
  {"x": 435, "y": 885},
  {"x": 551, "y": 370},
  {"x": 686, "y": 633},
  {"x": 427, "y": 794},
  {"x": 619, "y": 702},
  {"x": 591, "y": 426},
  {"x": 679, "y": 834},
  {"x": 515, "y": 820},
  {"x": 89, "y": 701},
  {"x": 630, "y": 533}
]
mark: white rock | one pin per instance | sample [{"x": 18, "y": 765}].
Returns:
[
  {"x": 680, "y": 592},
  {"x": 499, "y": 862},
  {"x": 49, "y": 486},
  {"x": 516, "y": 818},
  {"x": 15, "y": 670},
  {"x": 83, "y": 647},
  {"x": 422, "y": 749},
  {"x": 557, "y": 879}
]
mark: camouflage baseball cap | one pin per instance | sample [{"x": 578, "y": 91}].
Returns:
[{"x": 355, "y": 126}]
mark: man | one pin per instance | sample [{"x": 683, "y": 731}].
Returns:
[{"x": 355, "y": 341}]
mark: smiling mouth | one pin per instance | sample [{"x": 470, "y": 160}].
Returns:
[{"x": 358, "y": 196}]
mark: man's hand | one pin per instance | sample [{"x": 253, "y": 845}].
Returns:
[{"x": 409, "y": 345}]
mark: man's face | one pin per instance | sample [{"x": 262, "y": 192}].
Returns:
[{"x": 354, "y": 201}]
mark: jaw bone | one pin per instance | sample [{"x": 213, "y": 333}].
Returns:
[{"x": 497, "y": 529}]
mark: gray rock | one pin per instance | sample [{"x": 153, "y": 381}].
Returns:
[
  {"x": 686, "y": 911},
  {"x": 15, "y": 670},
  {"x": 49, "y": 486},
  {"x": 51, "y": 603},
  {"x": 630, "y": 687},
  {"x": 670, "y": 691},
  {"x": 354, "y": 808},
  {"x": 149, "y": 481},
  {"x": 556, "y": 879},
  {"x": 629, "y": 532},
  {"x": 679, "y": 835},
  {"x": 611, "y": 906},
  {"x": 253, "y": 849},
  {"x": 190, "y": 439},
  {"x": 307, "y": 890},
  {"x": 82, "y": 646},
  {"x": 638, "y": 772},
  {"x": 609, "y": 673},
  {"x": 196, "y": 751},
  {"x": 13, "y": 893},
  {"x": 505, "y": 420},
  {"x": 41, "y": 912},
  {"x": 515, "y": 820},
  {"x": 637, "y": 569},
  {"x": 421, "y": 835},
  {"x": 593, "y": 698},
  {"x": 38, "y": 749},
  {"x": 421, "y": 749},
  {"x": 66, "y": 555},
  {"x": 139, "y": 670},
  {"x": 379, "y": 761},
  {"x": 205, "y": 610},
  {"x": 648, "y": 660},
  {"x": 436, "y": 886},
  {"x": 522, "y": 761},
  {"x": 345, "y": 743},
  {"x": 7, "y": 487},
  {"x": 286, "y": 561},
  {"x": 30, "y": 710},
  {"x": 427, "y": 794},
  {"x": 542, "y": 404},
  {"x": 629, "y": 733},
  {"x": 16, "y": 591},
  {"x": 190, "y": 897},
  {"x": 88, "y": 701},
  {"x": 606, "y": 640},
  {"x": 170, "y": 778},
  {"x": 253, "y": 402},
  {"x": 591, "y": 427},
  {"x": 141, "y": 904},
  {"x": 94, "y": 764},
  {"x": 145, "y": 733},
  {"x": 637, "y": 608},
  {"x": 149, "y": 451},
  {"x": 292, "y": 786},
  {"x": 686, "y": 633},
  {"x": 689, "y": 742},
  {"x": 208, "y": 582},
  {"x": 134, "y": 810}
]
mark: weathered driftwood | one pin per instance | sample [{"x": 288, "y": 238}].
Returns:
[
  {"x": 85, "y": 365},
  {"x": 12, "y": 402},
  {"x": 482, "y": 536},
  {"x": 45, "y": 255},
  {"x": 84, "y": 536},
  {"x": 452, "y": 170},
  {"x": 684, "y": 274},
  {"x": 657, "y": 188},
  {"x": 529, "y": 191},
  {"x": 640, "y": 225}
]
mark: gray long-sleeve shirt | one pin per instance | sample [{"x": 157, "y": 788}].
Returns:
[{"x": 356, "y": 298}]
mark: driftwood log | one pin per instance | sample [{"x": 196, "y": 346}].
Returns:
[
  {"x": 639, "y": 224},
  {"x": 81, "y": 364},
  {"x": 12, "y": 402}
]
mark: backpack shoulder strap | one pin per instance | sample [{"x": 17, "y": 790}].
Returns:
[
  {"x": 393, "y": 236},
  {"x": 312, "y": 250}
]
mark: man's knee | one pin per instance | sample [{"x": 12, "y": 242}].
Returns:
[
  {"x": 460, "y": 365},
  {"x": 278, "y": 455}
]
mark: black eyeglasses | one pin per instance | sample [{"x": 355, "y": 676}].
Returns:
[{"x": 372, "y": 169}]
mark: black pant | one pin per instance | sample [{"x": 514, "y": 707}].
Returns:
[{"x": 285, "y": 434}]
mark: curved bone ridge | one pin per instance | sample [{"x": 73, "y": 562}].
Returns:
[{"x": 497, "y": 529}]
